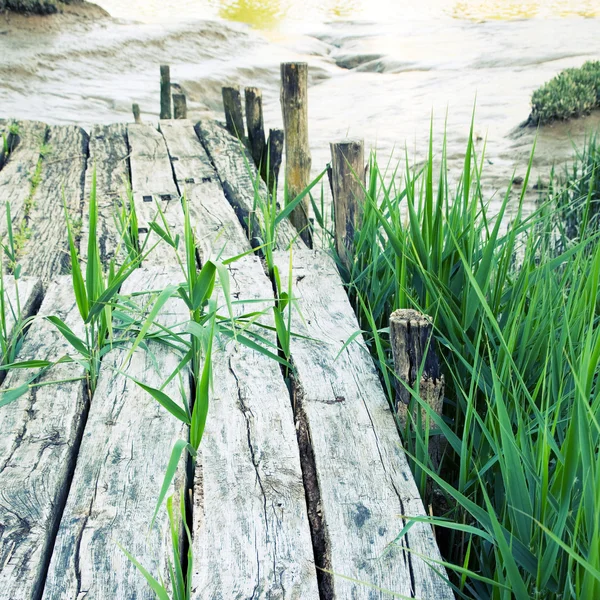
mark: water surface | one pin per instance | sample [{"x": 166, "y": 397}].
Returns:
[{"x": 379, "y": 69}]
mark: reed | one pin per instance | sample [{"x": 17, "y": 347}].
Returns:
[{"x": 515, "y": 311}]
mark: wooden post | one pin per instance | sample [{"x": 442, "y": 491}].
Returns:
[
  {"x": 234, "y": 118},
  {"x": 275, "y": 146},
  {"x": 135, "y": 108},
  {"x": 165, "y": 92},
  {"x": 294, "y": 105},
  {"x": 347, "y": 185},
  {"x": 412, "y": 341},
  {"x": 255, "y": 124},
  {"x": 179, "y": 106}
]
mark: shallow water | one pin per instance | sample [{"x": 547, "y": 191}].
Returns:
[{"x": 379, "y": 69}]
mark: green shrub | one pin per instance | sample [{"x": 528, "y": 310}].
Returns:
[{"x": 572, "y": 93}]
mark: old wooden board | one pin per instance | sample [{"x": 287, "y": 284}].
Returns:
[
  {"x": 17, "y": 174},
  {"x": 238, "y": 175},
  {"x": 251, "y": 530},
  {"x": 153, "y": 187},
  {"x": 39, "y": 439},
  {"x": 46, "y": 252},
  {"x": 217, "y": 229},
  {"x": 108, "y": 159},
  {"x": 124, "y": 453},
  {"x": 21, "y": 300},
  {"x": 364, "y": 483}
]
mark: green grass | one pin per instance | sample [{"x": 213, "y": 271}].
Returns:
[
  {"x": 515, "y": 310},
  {"x": 572, "y": 93}
]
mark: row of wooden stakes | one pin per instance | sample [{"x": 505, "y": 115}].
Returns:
[{"x": 411, "y": 333}]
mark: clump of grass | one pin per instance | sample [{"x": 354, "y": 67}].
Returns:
[
  {"x": 517, "y": 325},
  {"x": 572, "y": 93},
  {"x": 576, "y": 192}
]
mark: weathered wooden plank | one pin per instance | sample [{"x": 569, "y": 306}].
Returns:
[
  {"x": 108, "y": 156},
  {"x": 217, "y": 229},
  {"x": 123, "y": 458},
  {"x": 46, "y": 252},
  {"x": 39, "y": 438},
  {"x": 251, "y": 530},
  {"x": 21, "y": 300},
  {"x": 153, "y": 185},
  {"x": 17, "y": 174},
  {"x": 238, "y": 175},
  {"x": 364, "y": 481}
]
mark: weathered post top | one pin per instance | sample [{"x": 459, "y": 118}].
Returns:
[
  {"x": 348, "y": 187},
  {"x": 234, "y": 117},
  {"x": 179, "y": 106},
  {"x": 165, "y": 92},
  {"x": 275, "y": 145},
  {"x": 294, "y": 106},
  {"x": 135, "y": 109},
  {"x": 255, "y": 124}
]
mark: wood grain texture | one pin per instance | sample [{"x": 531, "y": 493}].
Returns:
[
  {"x": 294, "y": 108},
  {"x": 153, "y": 184},
  {"x": 108, "y": 156},
  {"x": 348, "y": 184},
  {"x": 39, "y": 438},
  {"x": 17, "y": 173},
  {"x": 124, "y": 453},
  {"x": 237, "y": 174},
  {"x": 217, "y": 229},
  {"x": 45, "y": 254},
  {"x": 364, "y": 481},
  {"x": 252, "y": 536}
]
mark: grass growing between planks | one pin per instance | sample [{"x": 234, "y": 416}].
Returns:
[{"x": 516, "y": 315}]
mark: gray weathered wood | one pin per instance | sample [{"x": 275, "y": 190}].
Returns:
[
  {"x": 22, "y": 299},
  {"x": 137, "y": 115},
  {"x": 238, "y": 176},
  {"x": 275, "y": 145},
  {"x": 46, "y": 251},
  {"x": 108, "y": 156},
  {"x": 255, "y": 123},
  {"x": 363, "y": 480},
  {"x": 39, "y": 438},
  {"x": 17, "y": 173},
  {"x": 179, "y": 106},
  {"x": 348, "y": 184},
  {"x": 165, "y": 92},
  {"x": 251, "y": 530},
  {"x": 234, "y": 117},
  {"x": 413, "y": 349},
  {"x": 217, "y": 229},
  {"x": 123, "y": 458},
  {"x": 152, "y": 183},
  {"x": 294, "y": 106}
]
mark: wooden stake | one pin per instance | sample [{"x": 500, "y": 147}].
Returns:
[
  {"x": 255, "y": 123},
  {"x": 179, "y": 106},
  {"x": 412, "y": 341},
  {"x": 275, "y": 145},
  {"x": 294, "y": 105},
  {"x": 165, "y": 92},
  {"x": 347, "y": 185},
  {"x": 135, "y": 108},
  {"x": 234, "y": 118}
]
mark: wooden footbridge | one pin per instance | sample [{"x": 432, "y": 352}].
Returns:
[{"x": 296, "y": 494}]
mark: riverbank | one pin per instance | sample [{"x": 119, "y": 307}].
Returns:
[
  {"x": 430, "y": 62},
  {"x": 54, "y": 12}
]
